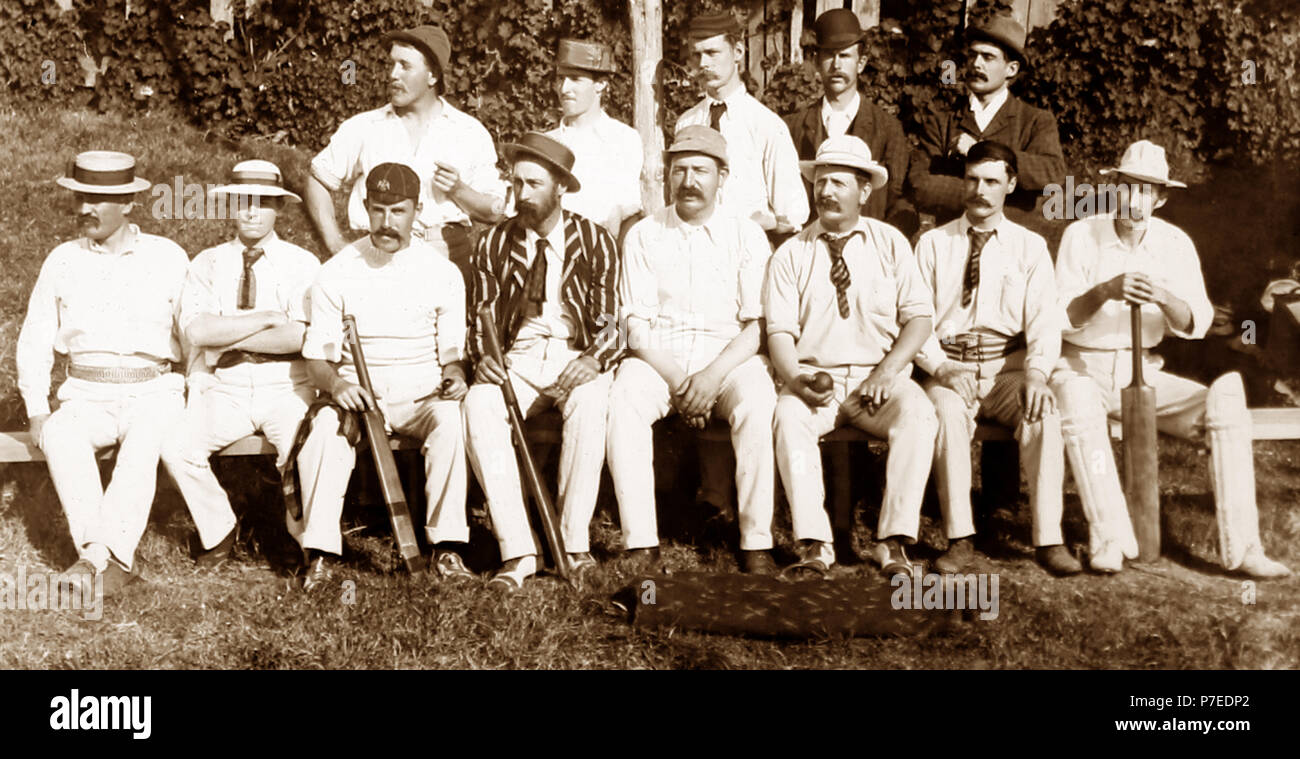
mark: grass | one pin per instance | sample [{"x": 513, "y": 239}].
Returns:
[{"x": 1183, "y": 612}]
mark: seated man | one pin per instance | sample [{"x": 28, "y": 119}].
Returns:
[
  {"x": 691, "y": 297},
  {"x": 107, "y": 301},
  {"x": 994, "y": 297},
  {"x": 843, "y": 297},
  {"x": 1107, "y": 264},
  {"x": 550, "y": 278},
  {"x": 245, "y": 307},
  {"x": 409, "y": 305}
]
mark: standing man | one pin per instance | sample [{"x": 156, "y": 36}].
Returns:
[
  {"x": 763, "y": 167},
  {"x": 843, "y": 110},
  {"x": 607, "y": 153},
  {"x": 409, "y": 306},
  {"x": 245, "y": 308},
  {"x": 550, "y": 278},
  {"x": 107, "y": 301},
  {"x": 995, "y": 56},
  {"x": 994, "y": 294},
  {"x": 1106, "y": 264},
  {"x": 843, "y": 297},
  {"x": 450, "y": 151},
  {"x": 690, "y": 291}
]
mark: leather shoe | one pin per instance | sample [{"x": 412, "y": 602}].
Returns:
[
  {"x": 510, "y": 577},
  {"x": 646, "y": 559},
  {"x": 757, "y": 562},
  {"x": 893, "y": 558},
  {"x": 1256, "y": 564},
  {"x": 960, "y": 553},
  {"x": 216, "y": 555},
  {"x": 1109, "y": 560},
  {"x": 1057, "y": 560},
  {"x": 116, "y": 578},
  {"x": 81, "y": 574}
]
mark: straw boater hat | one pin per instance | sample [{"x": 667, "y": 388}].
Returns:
[
  {"x": 548, "y": 150},
  {"x": 103, "y": 172},
  {"x": 850, "y": 152},
  {"x": 1145, "y": 160},
  {"x": 256, "y": 177}
]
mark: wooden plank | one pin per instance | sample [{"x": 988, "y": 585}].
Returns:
[
  {"x": 755, "y": 44},
  {"x": 647, "y": 21},
  {"x": 868, "y": 12},
  {"x": 796, "y": 32},
  {"x": 825, "y": 5}
]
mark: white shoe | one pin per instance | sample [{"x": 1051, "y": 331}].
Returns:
[
  {"x": 1256, "y": 564},
  {"x": 512, "y": 574},
  {"x": 1109, "y": 560}
]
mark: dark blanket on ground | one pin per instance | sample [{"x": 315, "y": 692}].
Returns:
[{"x": 737, "y": 604}]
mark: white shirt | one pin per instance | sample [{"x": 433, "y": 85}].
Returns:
[
  {"x": 101, "y": 309},
  {"x": 837, "y": 122},
  {"x": 607, "y": 159},
  {"x": 284, "y": 275},
  {"x": 762, "y": 163},
  {"x": 410, "y": 312},
  {"x": 1016, "y": 292},
  {"x": 1091, "y": 253},
  {"x": 690, "y": 289},
  {"x": 984, "y": 113},
  {"x": 368, "y": 139},
  {"x": 553, "y": 322}
]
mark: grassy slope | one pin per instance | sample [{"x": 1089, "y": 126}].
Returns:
[{"x": 1183, "y": 612}]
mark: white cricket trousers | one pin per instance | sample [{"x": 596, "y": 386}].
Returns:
[
  {"x": 1041, "y": 450},
  {"x": 1089, "y": 386},
  {"x": 326, "y": 461},
  {"x": 640, "y": 397},
  {"x": 534, "y": 367},
  {"x": 95, "y": 415},
  {"x": 216, "y": 417},
  {"x": 906, "y": 421}
]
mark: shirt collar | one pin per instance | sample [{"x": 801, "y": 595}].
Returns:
[
  {"x": 861, "y": 226},
  {"x": 731, "y": 100},
  {"x": 133, "y": 237},
  {"x": 964, "y": 225},
  {"x": 555, "y": 238},
  {"x": 711, "y": 227},
  {"x": 995, "y": 103},
  {"x": 851, "y": 111}
]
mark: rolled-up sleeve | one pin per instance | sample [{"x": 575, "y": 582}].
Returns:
[
  {"x": 35, "y": 349},
  {"x": 1073, "y": 273},
  {"x": 1044, "y": 315},
  {"x": 480, "y": 152},
  {"x": 785, "y": 185},
  {"x": 340, "y": 161},
  {"x": 298, "y": 304},
  {"x": 198, "y": 296},
  {"x": 931, "y": 355},
  {"x": 1188, "y": 283},
  {"x": 638, "y": 288},
  {"x": 755, "y": 251},
  {"x": 781, "y": 291},
  {"x": 324, "y": 338},
  {"x": 914, "y": 299}
]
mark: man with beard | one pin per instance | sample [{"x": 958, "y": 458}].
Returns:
[
  {"x": 843, "y": 110},
  {"x": 690, "y": 292},
  {"x": 450, "y": 151},
  {"x": 999, "y": 336},
  {"x": 763, "y": 167},
  {"x": 995, "y": 55},
  {"x": 1107, "y": 264},
  {"x": 607, "y": 153},
  {"x": 245, "y": 308},
  {"x": 550, "y": 278},
  {"x": 843, "y": 297},
  {"x": 409, "y": 306},
  {"x": 107, "y": 301}
]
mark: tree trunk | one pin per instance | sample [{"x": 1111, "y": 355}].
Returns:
[{"x": 647, "y": 22}]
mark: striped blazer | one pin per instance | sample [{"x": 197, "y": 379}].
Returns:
[{"x": 588, "y": 286}]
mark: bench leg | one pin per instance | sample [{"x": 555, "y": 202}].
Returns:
[
  {"x": 999, "y": 478},
  {"x": 840, "y": 486}
]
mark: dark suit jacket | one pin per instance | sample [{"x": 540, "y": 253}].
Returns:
[
  {"x": 883, "y": 134},
  {"x": 936, "y": 175}
]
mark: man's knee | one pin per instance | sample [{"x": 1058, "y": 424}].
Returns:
[
  {"x": 61, "y": 429},
  {"x": 1079, "y": 402},
  {"x": 484, "y": 400},
  {"x": 1225, "y": 401},
  {"x": 948, "y": 405}
]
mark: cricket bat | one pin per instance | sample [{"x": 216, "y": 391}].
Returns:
[{"x": 1141, "y": 476}]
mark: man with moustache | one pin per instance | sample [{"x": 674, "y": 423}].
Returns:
[
  {"x": 999, "y": 336},
  {"x": 409, "y": 306},
  {"x": 450, "y": 151},
  {"x": 690, "y": 292},
  {"x": 106, "y": 301},
  {"x": 607, "y": 153},
  {"x": 245, "y": 308},
  {"x": 842, "y": 109},
  {"x": 995, "y": 56},
  {"x": 1107, "y": 264},
  {"x": 550, "y": 280},
  {"x": 763, "y": 167},
  {"x": 843, "y": 297}
]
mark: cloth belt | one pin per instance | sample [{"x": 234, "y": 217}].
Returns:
[
  {"x": 118, "y": 374},
  {"x": 237, "y": 357},
  {"x": 971, "y": 347}
]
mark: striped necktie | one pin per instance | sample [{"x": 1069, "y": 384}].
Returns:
[
  {"x": 535, "y": 286},
  {"x": 978, "y": 238},
  {"x": 715, "y": 115},
  {"x": 840, "y": 270},
  {"x": 248, "y": 280}
]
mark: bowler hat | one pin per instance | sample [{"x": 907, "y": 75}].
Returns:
[
  {"x": 698, "y": 138},
  {"x": 428, "y": 39},
  {"x": 850, "y": 152},
  {"x": 256, "y": 177},
  {"x": 584, "y": 55},
  {"x": 548, "y": 150},
  {"x": 103, "y": 172},
  {"x": 837, "y": 29},
  {"x": 1003, "y": 31}
]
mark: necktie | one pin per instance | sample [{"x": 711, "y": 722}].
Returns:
[
  {"x": 839, "y": 270},
  {"x": 247, "y": 280},
  {"x": 978, "y": 238},
  {"x": 715, "y": 115},
  {"x": 535, "y": 286}
]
